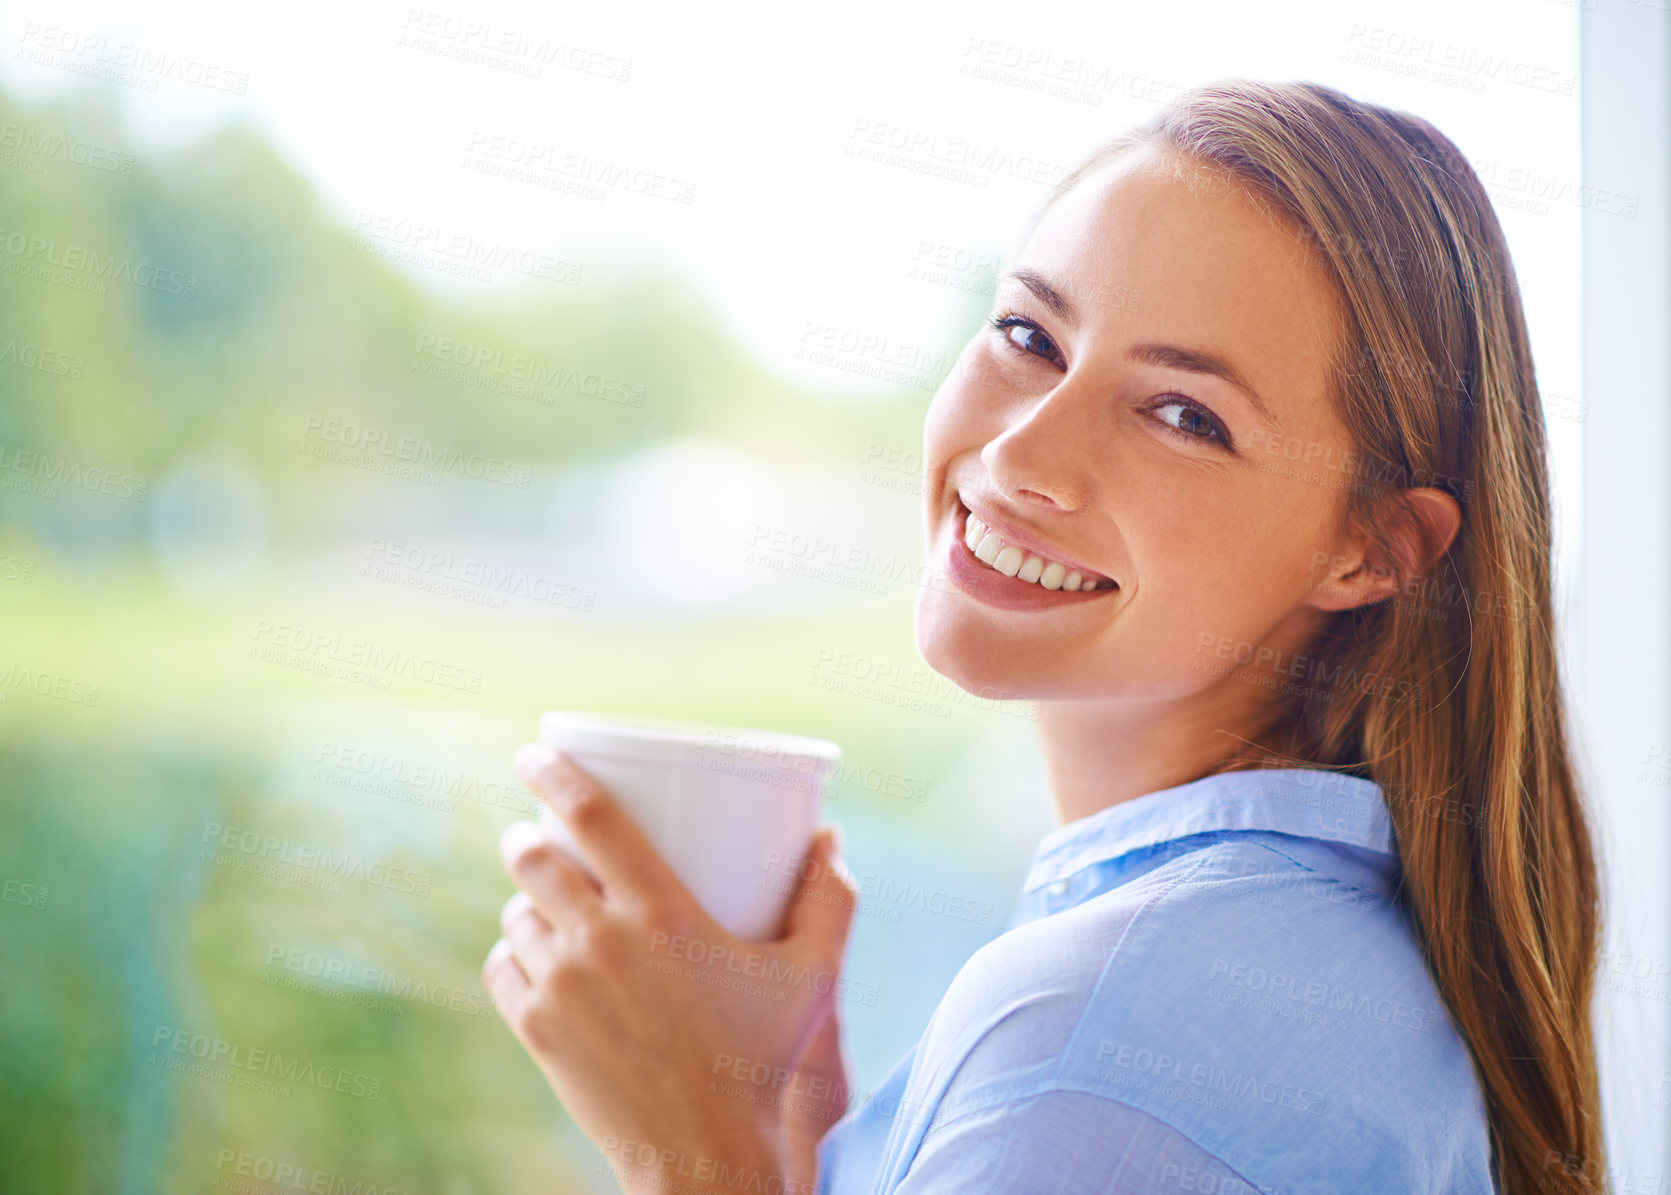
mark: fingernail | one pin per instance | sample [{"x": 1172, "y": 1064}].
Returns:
[
  {"x": 836, "y": 839},
  {"x": 532, "y": 759}
]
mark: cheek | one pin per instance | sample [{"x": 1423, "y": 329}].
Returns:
[
  {"x": 964, "y": 412},
  {"x": 1223, "y": 523},
  {"x": 1227, "y": 562},
  {"x": 941, "y": 421}
]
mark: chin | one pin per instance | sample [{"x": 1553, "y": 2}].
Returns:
[
  {"x": 959, "y": 650},
  {"x": 966, "y": 653}
]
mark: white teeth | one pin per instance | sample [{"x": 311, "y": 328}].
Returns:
[{"x": 1025, "y": 566}]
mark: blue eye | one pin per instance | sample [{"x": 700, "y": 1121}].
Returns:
[
  {"x": 1193, "y": 420},
  {"x": 1033, "y": 341}
]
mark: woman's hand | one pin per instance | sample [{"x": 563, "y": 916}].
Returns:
[{"x": 671, "y": 1043}]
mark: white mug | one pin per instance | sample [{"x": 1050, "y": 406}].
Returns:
[{"x": 732, "y": 810}]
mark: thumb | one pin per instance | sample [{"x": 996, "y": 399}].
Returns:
[{"x": 821, "y": 912}]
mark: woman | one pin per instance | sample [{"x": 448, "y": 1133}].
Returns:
[{"x": 1245, "y": 483}]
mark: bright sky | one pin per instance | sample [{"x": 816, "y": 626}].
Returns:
[{"x": 408, "y": 116}]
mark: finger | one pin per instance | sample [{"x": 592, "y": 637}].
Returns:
[
  {"x": 543, "y": 870},
  {"x": 506, "y": 982},
  {"x": 821, "y": 912},
  {"x": 613, "y": 843},
  {"x": 532, "y": 942}
]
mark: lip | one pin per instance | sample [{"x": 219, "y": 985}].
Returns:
[{"x": 990, "y": 587}]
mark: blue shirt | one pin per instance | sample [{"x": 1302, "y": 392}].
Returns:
[{"x": 1203, "y": 989}]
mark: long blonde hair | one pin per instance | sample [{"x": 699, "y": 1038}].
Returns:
[{"x": 1437, "y": 389}]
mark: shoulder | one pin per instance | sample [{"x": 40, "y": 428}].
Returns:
[
  {"x": 1082, "y": 1142},
  {"x": 1227, "y": 897},
  {"x": 1250, "y": 994}
]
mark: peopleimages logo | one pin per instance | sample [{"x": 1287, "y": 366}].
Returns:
[
  {"x": 1131, "y": 1065},
  {"x": 544, "y": 378},
  {"x": 374, "y": 447},
  {"x": 47, "y": 684},
  {"x": 42, "y": 360},
  {"x": 95, "y": 55},
  {"x": 415, "y": 242},
  {"x": 39, "y": 250},
  {"x": 421, "y": 782},
  {"x": 37, "y": 472},
  {"x": 963, "y": 160},
  {"x": 876, "y": 887},
  {"x": 293, "y": 967},
  {"x": 290, "y": 1176},
  {"x": 417, "y": 567},
  {"x": 485, "y": 44},
  {"x": 354, "y": 659},
  {"x": 215, "y": 1052},
  {"x": 270, "y": 849},
  {"x": 46, "y": 143},
  {"x": 1283, "y": 989},
  {"x": 750, "y": 971}
]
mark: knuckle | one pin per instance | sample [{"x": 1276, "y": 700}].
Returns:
[
  {"x": 588, "y": 808},
  {"x": 567, "y": 970},
  {"x": 591, "y": 940},
  {"x": 532, "y": 1024},
  {"x": 612, "y": 943},
  {"x": 538, "y": 971},
  {"x": 571, "y": 974},
  {"x": 661, "y": 911}
]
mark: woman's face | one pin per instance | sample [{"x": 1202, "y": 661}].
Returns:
[{"x": 1094, "y": 429}]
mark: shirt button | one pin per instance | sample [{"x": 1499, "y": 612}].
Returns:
[{"x": 1059, "y": 887}]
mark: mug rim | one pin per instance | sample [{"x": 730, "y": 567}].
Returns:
[{"x": 677, "y": 736}]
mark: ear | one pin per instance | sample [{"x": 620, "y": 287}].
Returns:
[{"x": 1413, "y": 528}]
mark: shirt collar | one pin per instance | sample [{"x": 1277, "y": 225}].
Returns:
[{"x": 1305, "y": 802}]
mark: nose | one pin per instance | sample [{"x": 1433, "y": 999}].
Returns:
[{"x": 1041, "y": 457}]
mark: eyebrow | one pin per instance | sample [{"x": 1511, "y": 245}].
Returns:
[
  {"x": 1060, "y": 305},
  {"x": 1170, "y": 356},
  {"x": 1164, "y": 356}
]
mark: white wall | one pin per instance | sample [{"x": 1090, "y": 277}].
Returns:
[{"x": 1619, "y": 635}]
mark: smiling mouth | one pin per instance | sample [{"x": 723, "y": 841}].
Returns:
[{"x": 989, "y": 548}]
